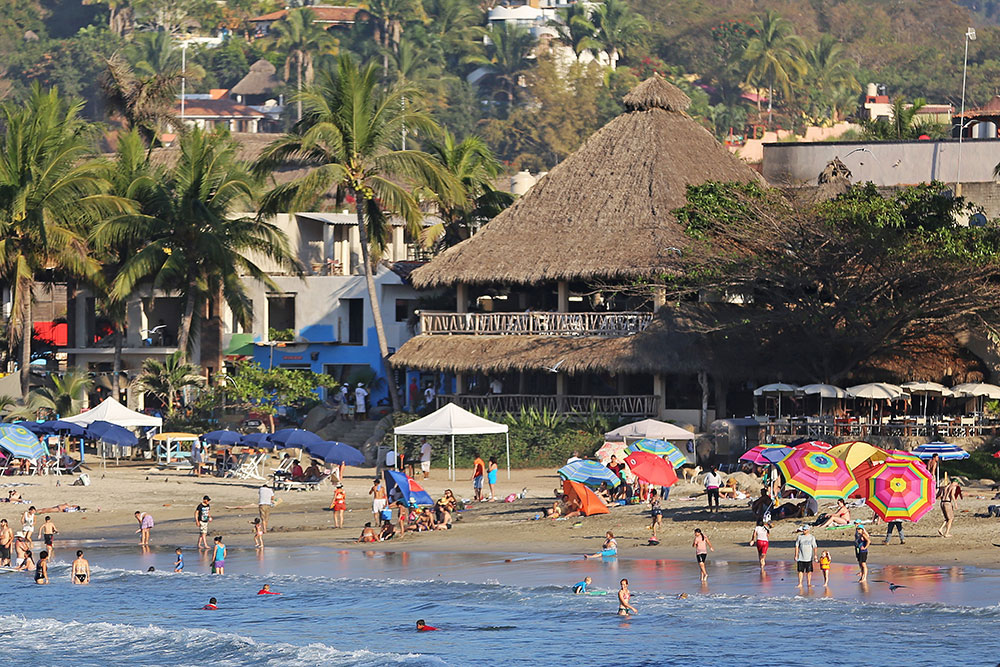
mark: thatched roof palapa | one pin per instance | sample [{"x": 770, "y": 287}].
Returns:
[
  {"x": 262, "y": 79},
  {"x": 606, "y": 210}
]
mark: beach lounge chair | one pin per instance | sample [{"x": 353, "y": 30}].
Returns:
[
  {"x": 312, "y": 485},
  {"x": 249, "y": 467},
  {"x": 230, "y": 470}
]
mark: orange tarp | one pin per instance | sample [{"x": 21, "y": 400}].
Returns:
[{"x": 590, "y": 503}]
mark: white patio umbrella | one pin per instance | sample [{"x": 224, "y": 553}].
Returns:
[
  {"x": 927, "y": 389},
  {"x": 778, "y": 389},
  {"x": 980, "y": 390},
  {"x": 823, "y": 391},
  {"x": 877, "y": 391}
]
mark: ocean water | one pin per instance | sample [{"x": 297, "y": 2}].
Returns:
[{"x": 359, "y": 608}]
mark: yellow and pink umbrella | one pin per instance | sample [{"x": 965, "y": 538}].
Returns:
[
  {"x": 900, "y": 490},
  {"x": 817, "y": 474}
]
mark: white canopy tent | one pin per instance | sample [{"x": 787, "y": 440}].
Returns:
[
  {"x": 453, "y": 420},
  {"x": 649, "y": 428},
  {"x": 112, "y": 411}
]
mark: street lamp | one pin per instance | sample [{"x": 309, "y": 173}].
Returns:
[{"x": 970, "y": 36}]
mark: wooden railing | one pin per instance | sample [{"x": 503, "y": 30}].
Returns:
[
  {"x": 635, "y": 405},
  {"x": 534, "y": 324}
]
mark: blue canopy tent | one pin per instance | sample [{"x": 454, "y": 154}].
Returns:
[{"x": 406, "y": 489}]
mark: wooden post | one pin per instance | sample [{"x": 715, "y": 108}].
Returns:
[
  {"x": 659, "y": 298},
  {"x": 563, "y": 293},
  {"x": 461, "y": 298},
  {"x": 660, "y": 391},
  {"x": 703, "y": 382},
  {"x": 560, "y": 392},
  {"x": 720, "y": 385},
  {"x": 459, "y": 384}
]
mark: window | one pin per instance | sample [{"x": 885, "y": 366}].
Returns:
[
  {"x": 281, "y": 313},
  {"x": 355, "y": 321},
  {"x": 404, "y": 308}
]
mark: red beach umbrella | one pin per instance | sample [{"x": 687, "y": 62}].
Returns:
[{"x": 651, "y": 469}]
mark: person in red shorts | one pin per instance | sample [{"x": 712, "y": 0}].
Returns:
[{"x": 760, "y": 540}]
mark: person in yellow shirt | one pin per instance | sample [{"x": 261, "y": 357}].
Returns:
[{"x": 824, "y": 566}]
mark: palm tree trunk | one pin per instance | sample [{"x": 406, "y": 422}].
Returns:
[
  {"x": 186, "y": 318},
  {"x": 27, "y": 329},
  {"x": 383, "y": 344},
  {"x": 770, "y": 96},
  {"x": 298, "y": 82}
]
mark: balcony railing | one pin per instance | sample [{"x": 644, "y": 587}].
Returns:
[
  {"x": 631, "y": 406},
  {"x": 534, "y": 324}
]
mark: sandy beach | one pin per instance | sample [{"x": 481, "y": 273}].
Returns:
[{"x": 302, "y": 518}]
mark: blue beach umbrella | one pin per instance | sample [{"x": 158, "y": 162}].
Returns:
[
  {"x": 19, "y": 442},
  {"x": 660, "y": 448},
  {"x": 945, "y": 451},
  {"x": 112, "y": 434},
  {"x": 60, "y": 427},
  {"x": 257, "y": 440},
  {"x": 590, "y": 473},
  {"x": 336, "y": 452},
  {"x": 777, "y": 454},
  {"x": 294, "y": 437},
  {"x": 38, "y": 428},
  {"x": 223, "y": 437}
]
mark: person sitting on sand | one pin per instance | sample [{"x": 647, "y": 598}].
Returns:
[
  {"x": 604, "y": 493},
  {"x": 441, "y": 511},
  {"x": 555, "y": 511},
  {"x": 841, "y": 517},
  {"x": 388, "y": 531},
  {"x": 367, "y": 534},
  {"x": 610, "y": 548},
  {"x": 761, "y": 507},
  {"x": 789, "y": 511}
]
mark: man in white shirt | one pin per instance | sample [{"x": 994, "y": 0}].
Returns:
[
  {"x": 360, "y": 409},
  {"x": 496, "y": 387},
  {"x": 425, "y": 458},
  {"x": 265, "y": 500},
  {"x": 390, "y": 459},
  {"x": 429, "y": 396}
]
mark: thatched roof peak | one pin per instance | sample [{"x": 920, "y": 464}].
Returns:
[{"x": 657, "y": 93}]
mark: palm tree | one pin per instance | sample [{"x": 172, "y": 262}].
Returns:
[
  {"x": 164, "y": 379},
  {"x": 471, "y": 163},
  {"x": 454, "y": 29},
  {"x": 121, "y": 17},
  {"x": 66, "y": 395},
  {"x": 189, "y": 240},
  {"x": 301, "y": 38},
  {"x": 387, "y": 16},
  {"x": 131, "y": 177},
  {"x": 903, "y": 124},
  {"x": 775, "y": 56},
  {"x": 50, "y": 190},
  {"x": 509, "y": 54},
  {"x": 348, "y": 135},
  {"x": 145, "y": 104},
  {"x": 832, "y": 73},
  {"x": 575, "y": 28},
  {"x": 618, "y": 28}
]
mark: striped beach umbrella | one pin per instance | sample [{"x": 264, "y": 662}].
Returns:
[
  {"x": 856, "y": 453},
  {"x": 19, "y": 442},
  {"x": 902, "y": 454},
  {"x": 900, "y": 490},
  {"x": 590, "y": 473},
  {"x": 813, "y": 446},
  {"x": 756, "y": 456},
  {"x": 944, "y": 451},
  {"x": 817, "y": 474},
  {"x": 660, "y": 448}
]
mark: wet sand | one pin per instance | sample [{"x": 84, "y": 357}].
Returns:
[{"x": 302, "y": 519}]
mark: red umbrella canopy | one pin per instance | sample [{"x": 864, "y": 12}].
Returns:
[
  {"x": 861, "y": 474},
  {"x": 651, "y": 469}
]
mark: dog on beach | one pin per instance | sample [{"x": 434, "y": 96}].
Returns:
[{"x": 690, "y": 473}]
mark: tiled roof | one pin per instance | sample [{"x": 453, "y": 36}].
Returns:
[{"x": 321, "y": 14}]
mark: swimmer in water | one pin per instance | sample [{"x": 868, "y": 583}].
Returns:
[
  {"x": 212, "y": 604},
  {"x": 266, "y": 590},
  {"x": 42, "y": 568},
  {"x": 81, "y": 570},
  {"x": 582, "y": 586},
  {"x": 423, "y": 627},
  {"x": 624, "y": 595}
]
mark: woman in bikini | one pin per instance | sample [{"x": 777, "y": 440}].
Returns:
[
  {"x": 624, "y": 606},
  {"x": 841, "y": 517}
]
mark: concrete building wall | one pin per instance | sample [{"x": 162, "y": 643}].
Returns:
[{"x": 887, "y": 164}]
